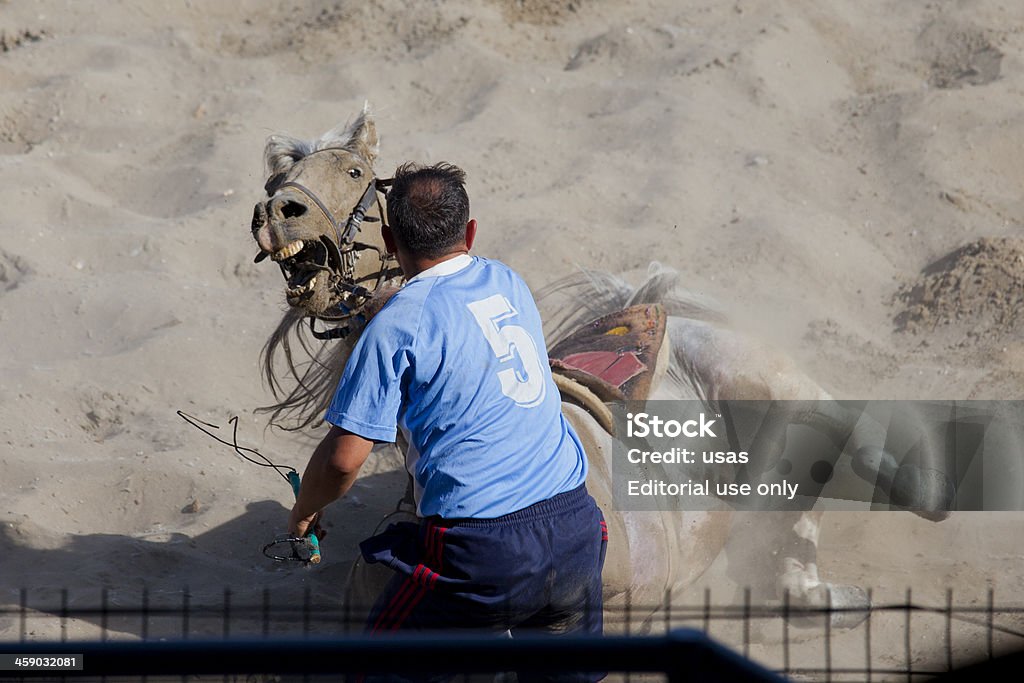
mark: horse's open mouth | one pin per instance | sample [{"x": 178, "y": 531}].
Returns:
[{"x": 303, "y": 264}]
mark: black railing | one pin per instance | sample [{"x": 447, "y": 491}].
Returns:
[{"x": 137, "y": 633}]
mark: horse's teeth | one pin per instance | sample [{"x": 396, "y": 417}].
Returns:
[
  {"x": 288, "y": 251},
  {"x": 299, "y": 291}
]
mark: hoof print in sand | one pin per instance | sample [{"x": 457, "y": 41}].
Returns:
[
  {"x": 960, "y": 56},
  {"x": 13, "y": 269},
  {"x": 12, "y": 40},
  {"x": 104, "y": 415}
]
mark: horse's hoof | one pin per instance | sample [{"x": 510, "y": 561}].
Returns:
[
  {"x": 846, "y": 606},
  {"x": 849, "y": 604}
]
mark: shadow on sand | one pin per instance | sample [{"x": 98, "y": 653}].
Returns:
[{"x": 168, "y": 584}]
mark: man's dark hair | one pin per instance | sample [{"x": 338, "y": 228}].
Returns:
[{"x": 428, "y": 208}]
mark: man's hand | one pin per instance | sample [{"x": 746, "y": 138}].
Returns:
[
  {"x": 302, "y": 527},
  {"x": 331, "y": 471}
]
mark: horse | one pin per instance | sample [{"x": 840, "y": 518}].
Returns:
[{"x": 321, "y": 194}]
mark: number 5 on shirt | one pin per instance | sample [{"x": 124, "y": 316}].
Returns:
[{"x": 525, "y": 386}]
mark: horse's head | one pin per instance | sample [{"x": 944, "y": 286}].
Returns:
[{"x": 319, "y": 194}]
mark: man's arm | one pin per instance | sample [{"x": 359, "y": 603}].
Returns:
[{"x": 330, "y": 473}]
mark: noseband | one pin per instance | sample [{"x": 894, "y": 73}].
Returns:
[{"x": 355, "y": 218}]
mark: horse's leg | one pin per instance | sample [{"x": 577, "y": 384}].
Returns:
[
  {"x": 798, "y": 576},
  {"x": 775, "y": 553}
]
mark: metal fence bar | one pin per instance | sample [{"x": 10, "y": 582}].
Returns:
[
  {"x": 867, "y": 640},
  {"x": 991, "y": 619},
  {"x": 307, "y": 609},
  {"x": 629, "y": 623},
  {"x": 629, "y": 610},
  {"x": 63, "y": 614},
  {"x": 667, "y": 609},
  {"x": 746, "y": 622},
  {"x": 949, "y": 629},
  {"x": 266, "y": 612},
  {"x": 23, "y": 614},
  {"x": 144, "y": 626},
  {"x": 785, "y": 630},
  {"x": 707, "y": 610},
  {"x": 906, "y": 637},
  {"x": 226, "y": 618},
  {"x": 347, "y": 616},
  {"x": 104, "y": 613},
  {"x": 828, "y": 637},
  {"x": 185, "y": 600}
]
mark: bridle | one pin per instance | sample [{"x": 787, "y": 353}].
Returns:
[
  {"x": 342, "y": 254},
  {"x": 347, "y": 236}
]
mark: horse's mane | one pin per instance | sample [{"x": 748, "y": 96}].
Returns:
[
  {"x": 313, "y": 376},
  {"x": 312, "y": 369},
  {"x": 284, "y": 151}
]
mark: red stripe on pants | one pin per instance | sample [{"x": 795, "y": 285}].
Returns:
[
  {"x": 415, "y": 586},
  {"x": 400, "y": 599}
]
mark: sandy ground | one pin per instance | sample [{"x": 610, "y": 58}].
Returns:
[{"x": 813, "y": 166}]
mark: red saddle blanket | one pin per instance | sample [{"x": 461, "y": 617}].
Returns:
[{"x": 615, "y": 356}]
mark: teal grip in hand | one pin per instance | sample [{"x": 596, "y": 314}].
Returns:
[{"x": 314, "y": 542}]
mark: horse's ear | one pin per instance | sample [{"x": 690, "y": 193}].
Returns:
[
  {"x": 282, "y": 151},
  {"x": 362, "y": 135}
]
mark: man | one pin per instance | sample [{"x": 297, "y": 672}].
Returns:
[{"x": 509, "y": 538}]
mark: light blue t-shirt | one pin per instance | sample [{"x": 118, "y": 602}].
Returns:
[{"x": 457, "y": 360}]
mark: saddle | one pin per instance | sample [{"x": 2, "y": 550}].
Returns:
[{"x": 616, "y": 358}]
